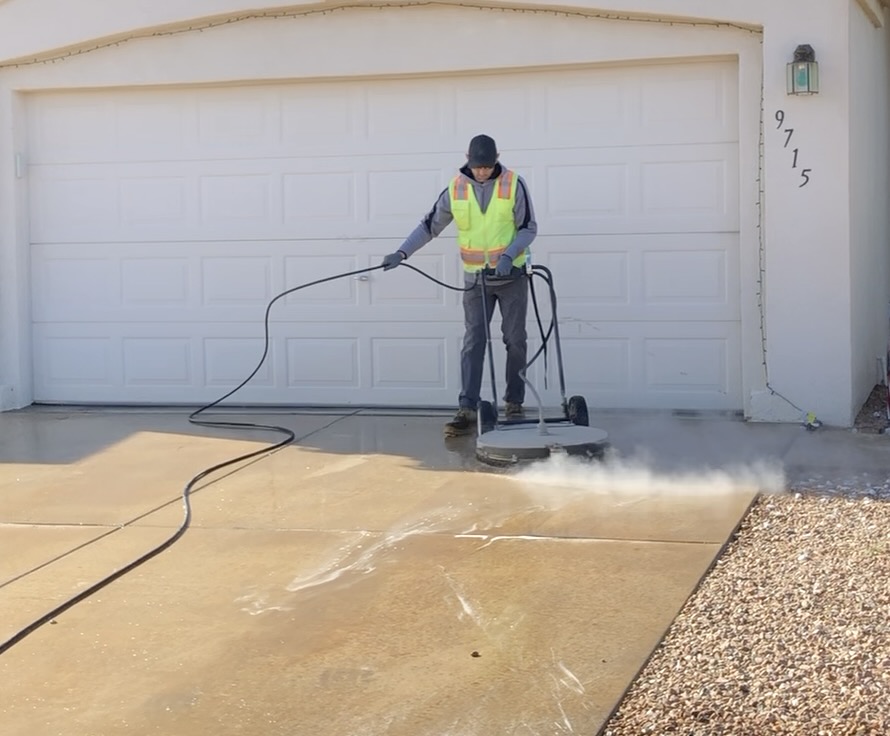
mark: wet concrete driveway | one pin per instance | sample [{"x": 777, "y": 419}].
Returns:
[{"x": 370, "y": 579}]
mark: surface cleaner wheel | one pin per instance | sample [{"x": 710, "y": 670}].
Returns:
[{"x": 577, "y": 411}]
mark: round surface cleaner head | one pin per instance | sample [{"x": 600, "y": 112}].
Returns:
[{"x": 509, "y": 444}]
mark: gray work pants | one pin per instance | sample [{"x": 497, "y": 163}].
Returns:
[{"x": 511, "y": 296}]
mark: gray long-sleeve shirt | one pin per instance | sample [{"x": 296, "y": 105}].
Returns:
[{"x": 439, "y": 217}]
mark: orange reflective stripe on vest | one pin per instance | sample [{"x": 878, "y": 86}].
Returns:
[
  {"x": 505, "y": 185},
  {"x": 477, "y": 257}
]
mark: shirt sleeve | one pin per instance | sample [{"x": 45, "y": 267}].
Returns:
[
  {"x": 431, "y": 226},
  {"x": 524, "y": 215}
]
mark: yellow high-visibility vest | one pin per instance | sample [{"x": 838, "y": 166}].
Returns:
[{"x": 484, "y": 237}]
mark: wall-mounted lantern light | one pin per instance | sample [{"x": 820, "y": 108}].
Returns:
[{"x": 803, "y": 72}]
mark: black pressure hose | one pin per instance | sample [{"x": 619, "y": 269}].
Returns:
[
  {"x": 546, "y": 275},
  {"x": 289, "y": 437},
  {"x": 288, "y": 434}
]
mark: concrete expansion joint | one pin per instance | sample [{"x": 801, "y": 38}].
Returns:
[
  {"x": 59, "y": 525},
  {"x": 563, "y": 538}
]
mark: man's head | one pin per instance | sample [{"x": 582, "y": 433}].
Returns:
[{"x": 482, "y": 156}]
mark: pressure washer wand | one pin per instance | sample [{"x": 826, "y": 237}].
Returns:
[
  {"x": 542, "y": 425},
  {"x": 487, "y": 274},
  {"x": 486, "y": 317}
]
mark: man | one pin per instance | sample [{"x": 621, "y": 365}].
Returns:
[{"x": 495, "y": 222}]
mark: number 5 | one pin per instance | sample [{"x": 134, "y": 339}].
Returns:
[{"x": 805, "y": 175}]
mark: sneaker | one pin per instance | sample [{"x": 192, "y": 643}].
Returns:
[
  {"x": 463, "y": 423},
  {"x": 513, "y": 410}
]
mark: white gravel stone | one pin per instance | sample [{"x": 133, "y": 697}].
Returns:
[{"x": 788, "y": 634}]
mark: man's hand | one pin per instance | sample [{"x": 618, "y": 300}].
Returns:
[
  {"x": 505, "y": 266},
  {"x": 393, "y": 260}
]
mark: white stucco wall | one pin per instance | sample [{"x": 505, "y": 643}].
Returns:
[
  {"x": 869, "y": 214},
  {"x": 806, "y": 230},
  {"x": 814, "y": 357},
  {"x": 15, "y": 364}
]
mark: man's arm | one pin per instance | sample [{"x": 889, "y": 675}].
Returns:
[{"x": 435, "y": 221}]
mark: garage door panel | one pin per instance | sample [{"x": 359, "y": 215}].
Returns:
[
  {"x": 684, "y": 189},
  {"x": 408, "y": 292},
  {"x": 319, "y": 196},
  {"x": 638, "y": 190},
  {"x": 164, "y": 220},
  {"x": 650, "y": 278},
  {"x": 242, "y": 122},
  {"x": 156, "y": 282},
  {"x": 409, "y": 362},
  {"x": 74, "y": 207},
  {"x": 154, "y": 202},
  {"x": 587, "y": 278},
  {"x": 157, "y": 361},
  {"x": 696, "y": 365},
  {"x": 651, "y": 105},
  {"x": 229, "y": 360},
  {"x": 236, "y": 281},
  {"x": 607, "y": 106},
  {"x": 578, "y": 191},
  {"x": 307, "y": 363},
  {"x": 685, "y": 277},
  {"x": 582, "y": 107},
  {"x": 601, "y": 365},
  {"x": 234, "y": 200},
  {"x": 305, "y": 269},
  {"x": 69, "y": 288},
  {"x": 70, "y": 128},
  {"x": 505, "y": 105},
  {"x": 406, "y": 111},
  {"x": 77, "y": 363},
  {"x": 698, "y": 102},
  {"x": 611, "y": 369},
  {"x": 155, "y": 127},
  {"x": 401, "y": 196},
  {"x": 315, "y": 362},
  {"x": 240, "y": 203},
  {"x": 313, "y": 116},
  {"x": 149, "y": 281},
  {"x": 649, "y": 365},
  {"x": 102, "y": 202}
]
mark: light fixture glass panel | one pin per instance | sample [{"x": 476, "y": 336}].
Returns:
[{"x": 802, "y": 78}]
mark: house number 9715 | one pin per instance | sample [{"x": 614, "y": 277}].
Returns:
[{"x": 795, "y": 152}]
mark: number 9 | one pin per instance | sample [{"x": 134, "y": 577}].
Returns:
[{"x": 780, "y": 117}]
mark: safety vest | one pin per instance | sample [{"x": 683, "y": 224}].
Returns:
[{"x": 484, "y": 237}]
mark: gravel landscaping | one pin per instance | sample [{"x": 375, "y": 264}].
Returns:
[{"x": 788, "y": 634}]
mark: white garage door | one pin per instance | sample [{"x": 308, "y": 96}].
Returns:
[{"x": 163, "y": 221}]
